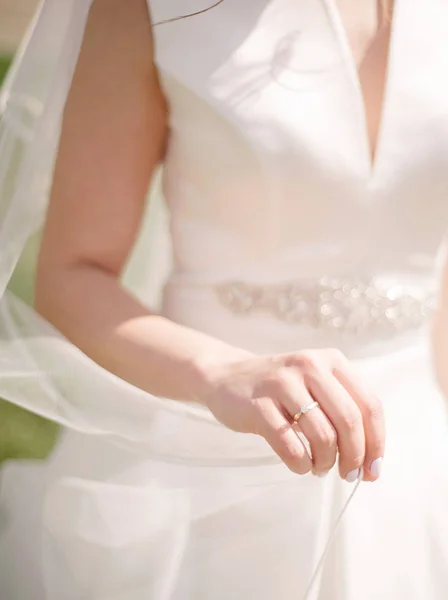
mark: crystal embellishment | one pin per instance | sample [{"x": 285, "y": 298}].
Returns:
[{"x": 345, "y": 305}]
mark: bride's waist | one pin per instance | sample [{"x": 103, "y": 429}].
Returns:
[{"x": 361, "y": 317}]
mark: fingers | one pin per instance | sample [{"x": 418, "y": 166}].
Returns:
[
  {"x": 373, "y": 420},
  {"x": 282, "y": 438},
  {"x": 314, "y": 425},
  {"x": 346, "y": 418}
]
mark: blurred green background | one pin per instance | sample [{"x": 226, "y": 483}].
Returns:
[
  {"x": 22, "y": 434},
  {"x": 4, "y": 64}
]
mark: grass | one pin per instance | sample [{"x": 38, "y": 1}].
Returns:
[
  {"x": 23, "y": 435},
  {"x": 4, "y": 65}
]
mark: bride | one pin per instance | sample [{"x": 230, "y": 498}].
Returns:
[{"x": 211, "y": 447}]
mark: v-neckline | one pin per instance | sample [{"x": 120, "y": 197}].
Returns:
[{"x": 372, "y": 159}]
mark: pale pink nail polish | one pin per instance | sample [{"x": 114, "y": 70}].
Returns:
[
  {"x": 352, "y": 476},
  {"x": 375, "y": 467}
]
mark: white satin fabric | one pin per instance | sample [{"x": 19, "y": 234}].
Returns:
[{"x": 268, "y": 178}]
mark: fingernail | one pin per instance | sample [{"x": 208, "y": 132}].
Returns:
[
  {"x": 352, "y": 476},
  {"x": 320, "y": 475},
  {"x": 375, "y": 467}
]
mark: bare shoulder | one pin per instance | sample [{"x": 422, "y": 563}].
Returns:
[
  {"x": 119, "y": 36},
  {"x": 113, "y": 137},
  {"x": 117, "y": 58},
  {"x": 126, "y": 23}
]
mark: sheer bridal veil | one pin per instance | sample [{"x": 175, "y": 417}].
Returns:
[{"x": 40, "y": 370}]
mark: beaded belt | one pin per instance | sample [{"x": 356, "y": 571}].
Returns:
[{"x": 346, "y": 305}]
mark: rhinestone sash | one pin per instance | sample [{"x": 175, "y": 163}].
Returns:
[{"x": 345, "y": 305}]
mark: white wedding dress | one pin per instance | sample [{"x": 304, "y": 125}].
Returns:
[{"x": 285, "y": 235}]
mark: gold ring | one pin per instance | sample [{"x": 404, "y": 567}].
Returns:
[{"x": 304, "y": 410}]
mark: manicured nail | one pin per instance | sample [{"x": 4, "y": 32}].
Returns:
[
  {"x": 375, "y": 467},
  {"x": 352, "y": 476},
  {"x": 320, "y": 475}
]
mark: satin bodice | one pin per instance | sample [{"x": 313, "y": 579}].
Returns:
[{"x": 269, "y": 175}]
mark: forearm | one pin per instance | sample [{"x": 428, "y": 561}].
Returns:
[{"x": 93, "y": 311}]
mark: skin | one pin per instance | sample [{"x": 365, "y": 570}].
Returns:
[
  {"x": 114, "y": 135},
  {"x": 368, "y": 32}
]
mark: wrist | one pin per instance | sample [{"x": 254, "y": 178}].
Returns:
[{"x": 206, "y": 370}]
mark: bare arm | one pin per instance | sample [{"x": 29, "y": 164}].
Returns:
[{"x": 114, "y": 135}]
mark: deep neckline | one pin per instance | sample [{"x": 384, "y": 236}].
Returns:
[{"x": 371, "y": 159}]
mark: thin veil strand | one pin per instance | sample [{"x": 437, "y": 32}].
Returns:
[{"x": 39, "y": 369}]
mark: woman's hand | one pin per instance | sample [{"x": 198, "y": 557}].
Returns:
[{"x": 261, "y": 395}]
